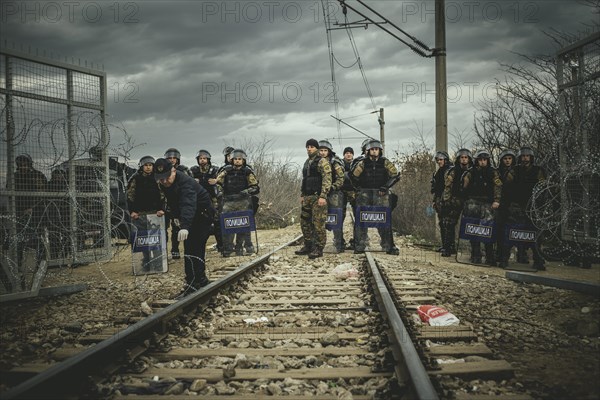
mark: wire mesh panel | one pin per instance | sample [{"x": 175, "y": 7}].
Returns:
[
  {"x": 578, "y": 76},
  {"x": 54, "y": 180}
]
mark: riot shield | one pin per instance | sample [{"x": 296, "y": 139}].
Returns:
[
  {"x": 237, "y": 220},
  {"x": 149, "y": 245},
  {"x": 372, "y": 211},
  {"x": 477, "y": 228},
  {"x": 335, "y": 202}
]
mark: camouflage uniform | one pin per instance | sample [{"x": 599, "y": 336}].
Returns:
[
  {"x": 316, "y": 183},
  {"x": 453, "y": 200},
  {"x": 373, "y": 176},
  {"x": 335, "y": 199},
  {"x": 482, "y": 186},
  {"x": 237, "y": 184}
]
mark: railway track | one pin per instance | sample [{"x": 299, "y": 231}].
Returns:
[{"x": 280, "y": 325}]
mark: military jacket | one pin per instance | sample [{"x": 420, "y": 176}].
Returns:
[
  {"x": 232, "y": 180},
  {"x": 203, "y": 174},
  {"x": 482, "y": 183},
  {"x": 373, "y": 174}
]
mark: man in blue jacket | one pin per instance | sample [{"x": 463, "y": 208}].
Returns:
[{"x": 192, "y": 209}]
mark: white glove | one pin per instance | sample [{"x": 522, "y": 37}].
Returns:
[{"x": 182, "y": 235}]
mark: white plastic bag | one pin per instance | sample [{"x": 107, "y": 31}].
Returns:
[{"x": 345, "y": 271}]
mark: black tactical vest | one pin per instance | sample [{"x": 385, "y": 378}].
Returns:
[
  {"x": 147, "y": 193},
  {"x": 525, "y": 181},
  {"x": 482, "y": 183},
  {"x": 374, "y": 174},
  {"x": 311, "y": 177},
  {"x": 236, "y": 180},
  {"x": 203, "y": 177}
]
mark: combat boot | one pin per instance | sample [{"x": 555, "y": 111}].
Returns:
[
  {"x": 490, "y": 255},
  {"x": 316, "y": 253},
  {"x": 451, "y": 239},
  {"x": 305, "y": 250},
  {"x": 539, "y": 266},
  {"x": 475, "y": 253},
  {"x": 522, "y": 257},
  {"x": 394, "y": 251}
]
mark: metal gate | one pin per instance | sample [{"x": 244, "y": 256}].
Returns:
[
  {"x": 578, "y": 76},
  {"x": 54, "y": 178}
]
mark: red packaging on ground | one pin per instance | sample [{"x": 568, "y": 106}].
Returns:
[{"x": 436, "y": 316}]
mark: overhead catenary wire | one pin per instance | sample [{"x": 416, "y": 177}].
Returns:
[
  {"x": 358, "y": 59},
  {"x": 334, "y": 60},
  {"x": 420, "y": 48},
  {"x": 327, "y": 22}
]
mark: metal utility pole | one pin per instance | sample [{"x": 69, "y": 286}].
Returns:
[
  {"x": 441, "y": 96},
  {"x": 381, "y": 128}
]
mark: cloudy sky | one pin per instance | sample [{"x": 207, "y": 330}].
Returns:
[{"x": 203, "y": 74}]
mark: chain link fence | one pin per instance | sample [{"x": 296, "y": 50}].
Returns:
[{"x": 55, "y": 185}]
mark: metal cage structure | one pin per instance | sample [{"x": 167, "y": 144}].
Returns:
[
  {"x": 578, "y": 78},
  {"x": 55, "y": 199}
]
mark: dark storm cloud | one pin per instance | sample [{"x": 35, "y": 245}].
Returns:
[{"x": 212, "y": 70}]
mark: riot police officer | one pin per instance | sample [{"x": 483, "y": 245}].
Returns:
[
  {"x": 144, "y": 196},
  {"x": 335, "y": 197},
  {"x": 527, "y": 175},
  {"x": 238, "y": 183},
  {"x": 316, "y": 185},
  {"x": 373, "y": 177},
  {"x": 483, "y": 189},
  {"x": 437, "y": 189},
  {"x": 190, "y": 204},
  {"x": 506, "y": 169},
  {"x": 206, "y": 175},
  {"x": 453, "y": 199},
  {"x": 174, "y": 157},
  {"x": 348, "y": 190}
]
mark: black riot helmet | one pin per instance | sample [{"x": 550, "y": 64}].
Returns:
[
  {"x": 173, "y": 152},
  {"x": 507, "y": 152},
  {"x": 324, "y": 144},
  {"x": 482, "y": 154},
  {"x": 24, "y": 159},
  {"x": 203, "y": 153},
  {"x": 463, "y": 152},
  {"x": 227, "y": 150},
  {"x": 442, "y": 154},
  {"x": 238, "y": 153},
  {"x": 526, "y": 151},
  {"x": 374, "y": 144},
  {"x": 364, "y": 144},
  {"x": 146, "y": 160}
]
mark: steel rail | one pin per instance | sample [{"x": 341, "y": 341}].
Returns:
[
  {"x": 59, "y": 379},
  {"x": 407, "y": 359}
]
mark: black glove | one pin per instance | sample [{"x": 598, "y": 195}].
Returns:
[{"x": 383, "y": 190}]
